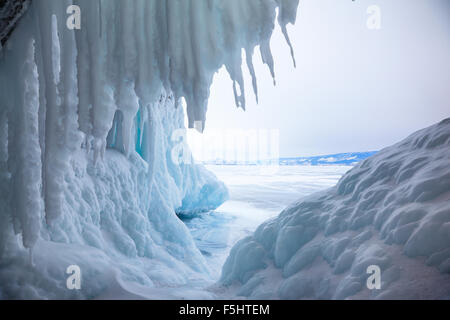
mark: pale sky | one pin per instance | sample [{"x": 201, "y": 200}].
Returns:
[{"x": 354, "y": 89}]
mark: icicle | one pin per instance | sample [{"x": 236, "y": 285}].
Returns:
[
  {"x": 235, "y": 71},
  {"x": 287, "y": 14},
  {"x": 267, "y": 58},
  {"x": 239, "y": 98},
  {"x": 56, "y": 50},
  {"x": 54, "y": 166},
  {"x": 69, "y": 89},
  {"x": 251, "y": 69},
  {"x": 286, "y": 36},
  {"x": 25, "y": 164}
]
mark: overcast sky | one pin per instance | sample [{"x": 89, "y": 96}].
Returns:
[{"x": 354, "y": 89}]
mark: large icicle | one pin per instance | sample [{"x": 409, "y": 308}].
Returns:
[
  {"x": 286, "y": 15},
  {"x": 25, "y": 153}
]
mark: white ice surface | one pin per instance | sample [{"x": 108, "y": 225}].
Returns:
[
  {"x": 254, "y": 198},
  {"x": 216, "y": 232}
]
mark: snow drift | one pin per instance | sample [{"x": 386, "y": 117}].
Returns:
[
  {"x": 392, "y": 211},
  {"x": 89, "y": 174}
]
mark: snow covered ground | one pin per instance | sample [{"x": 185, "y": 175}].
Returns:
[
  {"x": 254, "y": 198},
  {"x": 390, "y": 212}
]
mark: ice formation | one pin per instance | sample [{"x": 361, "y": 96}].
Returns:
[
  {"x": 391, "y": 211},
  {"x": 87, "y": 117}
]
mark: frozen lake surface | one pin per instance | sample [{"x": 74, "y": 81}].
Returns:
[{"x": 255, "y": 196}]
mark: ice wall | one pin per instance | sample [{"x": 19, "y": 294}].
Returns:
[
  {"x": 391, "y": 211},
  {"x": 87, "y": 121}
]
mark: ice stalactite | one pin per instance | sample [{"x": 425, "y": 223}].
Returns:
[
  {"x": 287, "y": 14},
  {"x": 24, "y": 160},
  {"x": 123, "y": 60},
  {"x": 116, "y": 83}
]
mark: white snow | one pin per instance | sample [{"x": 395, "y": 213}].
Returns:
[{"x": 392, "y": 210}]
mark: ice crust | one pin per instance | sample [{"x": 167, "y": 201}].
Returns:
[{"x": 391, "y": 210}]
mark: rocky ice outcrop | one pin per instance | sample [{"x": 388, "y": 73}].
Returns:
[
  {"x": 391, "y": 211},
  {"x": 89, "y": 174}
]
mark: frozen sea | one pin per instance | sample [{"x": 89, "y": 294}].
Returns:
[{"x": 256, "y": 195}]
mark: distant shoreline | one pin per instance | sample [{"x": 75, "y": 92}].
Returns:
[{"x": 342, "y": 159}]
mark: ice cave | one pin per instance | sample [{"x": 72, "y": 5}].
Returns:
[{"x": 91, "y": 175}]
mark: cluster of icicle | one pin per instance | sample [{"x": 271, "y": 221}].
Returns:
[{"x": 61, "y": 89}]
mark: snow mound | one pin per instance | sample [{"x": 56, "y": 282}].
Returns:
[{"x": 391, "y": 210}]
